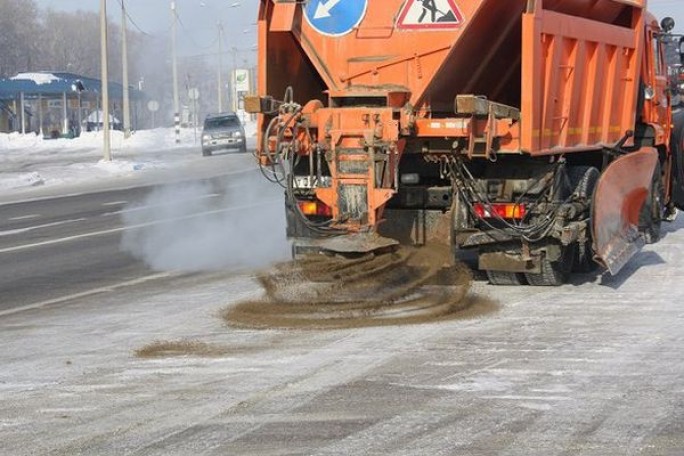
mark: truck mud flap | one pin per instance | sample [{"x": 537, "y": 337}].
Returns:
[{"x": 618, "y": 200}]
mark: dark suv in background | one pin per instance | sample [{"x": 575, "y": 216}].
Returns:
[{"x": 223, "y": 132}]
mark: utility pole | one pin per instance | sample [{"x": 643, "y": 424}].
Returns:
[
  {"x": 176, "y": 101},
  {"x": 233, "y": 88},
  {"x": 124, "y": 56},
  {"x": 22, "y": 106},
  {"x": 105, "y": 79},
  {"x": 220, "y": 67}
]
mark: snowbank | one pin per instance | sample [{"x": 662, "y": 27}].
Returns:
[
  {"x": 29, "y": 160},
  {"x": 38, "y": 78},
  {"x": 159, "y": 138}
]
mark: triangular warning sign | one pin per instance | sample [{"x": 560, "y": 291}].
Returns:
[{"x": 430, "y": 14}]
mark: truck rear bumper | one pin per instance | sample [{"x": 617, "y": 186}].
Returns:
[{"x": 345, "y": 244}]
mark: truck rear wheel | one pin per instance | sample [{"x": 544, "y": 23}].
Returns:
[
  {"x": 678, "y": 158},
  {"x": 505, "y": 278},
  {"x": 584, "y": 262},
  {"x": 651, "y": 216},
  {"x": 554, "y": 273},
  {"x": 583, "y": 179}
]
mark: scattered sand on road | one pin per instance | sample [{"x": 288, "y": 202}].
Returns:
[
  {"x": 408, "y": 286},
  {"x": 167, "y": 349}
]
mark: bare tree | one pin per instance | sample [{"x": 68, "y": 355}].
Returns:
[
  {"x": 31, "y": 40},
  {"x": 19, "y": 37},
  {"x": 70, "y": 42}
]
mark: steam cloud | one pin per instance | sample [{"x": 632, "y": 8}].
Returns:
[{"x": 197, "y": 227}]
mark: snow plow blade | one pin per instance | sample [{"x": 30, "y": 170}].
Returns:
[{"x": 619, "y": 198}]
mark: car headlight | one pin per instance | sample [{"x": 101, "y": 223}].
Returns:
[
  {"x": 206, "y": 138},
  {"x": 237, "y": 134}
]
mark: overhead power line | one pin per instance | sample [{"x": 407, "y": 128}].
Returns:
[
  {"x": 133, "y": 23},
  {"x": 190, "y": 37}
]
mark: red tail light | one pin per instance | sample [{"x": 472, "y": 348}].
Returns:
[
  {"x": 502, "y": 210},
  {"x": 315, "y": 207}
]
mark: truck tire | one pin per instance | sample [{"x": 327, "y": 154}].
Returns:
[
  {"x": 554, "y": 273},
  {"x": 651, "y": 216},
  {"x": 583, "y": 180},
  {"x": 677, "y": 143},
  {"x": 505, "y": 278},
  {"x": 584, "y": 259}
]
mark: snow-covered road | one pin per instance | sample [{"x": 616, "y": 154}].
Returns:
[
  {"x": 31, "y": 166},
  {"x": 590, "y": 368}
]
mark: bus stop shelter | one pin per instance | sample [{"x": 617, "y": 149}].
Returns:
[{"x": 55, "y": 103}]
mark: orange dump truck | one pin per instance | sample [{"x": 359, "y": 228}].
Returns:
[{"x": 538, "y": 133}]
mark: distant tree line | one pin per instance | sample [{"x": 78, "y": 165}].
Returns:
[
  {"x": 32, "y": 39},
  {"x": 35, "y": 39}
]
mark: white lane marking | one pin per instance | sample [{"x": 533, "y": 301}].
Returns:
[
  {"x": 84, "y": 294},
  {"x": 124, "y": 188},
  {"x": 37, "y": 227},
  {"x": 24, "y": 217},
  {"x": 152, "y": 206},
  {"x": 132, "y": 227},
  {"x": 115, "y": 203}
]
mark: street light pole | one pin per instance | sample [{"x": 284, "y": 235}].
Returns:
[
  {"x": 176, "y": 101},
  {"x": 80, "y": 113},
  {"x": 105, "y": 79},
  {"x": 124, "y": 57},
  {"x": 220, "y": 67},
  {"x": 233, "y": 88}
]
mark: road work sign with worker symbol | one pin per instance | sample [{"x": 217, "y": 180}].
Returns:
[
  {"x": 430, "y": 15},
  {"x": 335, "y": 17}
]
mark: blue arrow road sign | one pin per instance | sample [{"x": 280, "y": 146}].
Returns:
[{"x": 335, "y": 17}]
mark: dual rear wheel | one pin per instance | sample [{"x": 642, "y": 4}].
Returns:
[
  {"x": 576, "y": 257},
  {"x": 552, "y": 273}
]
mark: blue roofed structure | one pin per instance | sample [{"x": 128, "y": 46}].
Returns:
[
  {"x": 49, "y": 83},
  {"x": 55, "y": 102}
]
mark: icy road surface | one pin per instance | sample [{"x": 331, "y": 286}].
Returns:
[
  {"x": 33, "y": 167},
  {"x": 591, "y": 368}
]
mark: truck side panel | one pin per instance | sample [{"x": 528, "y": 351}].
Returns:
[{"x": 580, "y": 81}]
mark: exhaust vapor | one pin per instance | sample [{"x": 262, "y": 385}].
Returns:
[{"x": 239, "y": 224}]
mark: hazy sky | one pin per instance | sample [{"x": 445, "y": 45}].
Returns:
[
  {"x": 197, "y": 33},
  {"x": 199, "y": 18},
  {"x": 673, "y": 8}
]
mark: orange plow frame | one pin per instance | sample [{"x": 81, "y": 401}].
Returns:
[{"x": 618, "y": 201}]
